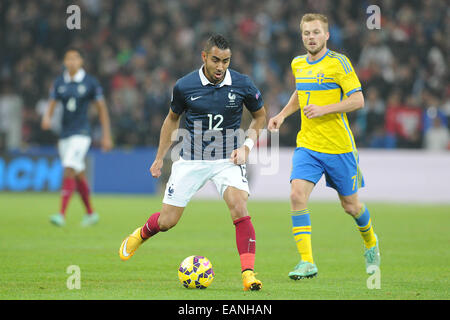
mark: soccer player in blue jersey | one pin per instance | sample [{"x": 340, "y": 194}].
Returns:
[
  {"x": 212, "y": 98},
  {"x": 76, "y": 90},
  {"x": 327, "y": 88}
]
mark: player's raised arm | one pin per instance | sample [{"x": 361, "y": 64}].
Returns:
[
  {"x": 240, "y": 155},
  {"x": 354, "y": 102},
  {"x": 290, "y": 108},
  {"x": 171, "y": 123},
  {"x": 47, "y": 117},
  {"x": 105, "y": 123},
  {"x": 258, "y": 123}
]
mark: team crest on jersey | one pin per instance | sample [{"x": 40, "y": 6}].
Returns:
[
  {"x": 81, "y": 89},
  {"x": 320, "y": 77},
  {"x": 61, "y": 89},
  {"x": 231, "y": 99},
  {"x": 170, "y": 191}
]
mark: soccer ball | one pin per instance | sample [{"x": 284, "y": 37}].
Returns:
[{"x": 196, "y": 272}]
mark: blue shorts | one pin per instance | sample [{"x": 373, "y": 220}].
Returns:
[{"x": 341, "y": 171}]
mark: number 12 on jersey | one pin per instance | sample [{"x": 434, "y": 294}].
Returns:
[{"x": 216, "y": 120}]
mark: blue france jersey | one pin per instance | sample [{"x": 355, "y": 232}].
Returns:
[
  {"x": 76, "y": 95},
  {"x": 213, "y": 113}
]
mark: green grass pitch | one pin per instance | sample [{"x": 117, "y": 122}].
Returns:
[{"x": 34, "y": 255}]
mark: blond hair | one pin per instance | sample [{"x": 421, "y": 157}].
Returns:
[{"x": 308, "y": 17}]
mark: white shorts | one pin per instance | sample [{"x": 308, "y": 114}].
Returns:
[
  {"x": 188, "y": 176},
  {"x": 72, "y": 151}
]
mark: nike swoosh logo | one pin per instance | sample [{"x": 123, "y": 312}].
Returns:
[
  {"x": 124, "y": 250},
  {"x": 193, "y": 99}
]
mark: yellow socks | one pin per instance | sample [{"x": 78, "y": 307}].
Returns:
[
  {"x": 301, "y": 228},
  {"x": 365, "y": 227}
]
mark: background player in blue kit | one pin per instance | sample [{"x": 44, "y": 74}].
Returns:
[
  {"x": 212, "y": 98},
  {"x": 76, "y": 90}
]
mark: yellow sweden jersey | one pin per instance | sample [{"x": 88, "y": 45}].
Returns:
[{"x": 326, "y": 81}]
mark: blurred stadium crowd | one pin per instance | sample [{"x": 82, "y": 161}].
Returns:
[{"x": 138, "y": 49}]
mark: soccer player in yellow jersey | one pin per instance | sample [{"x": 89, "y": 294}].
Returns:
[{"x": 326, "y": 88}]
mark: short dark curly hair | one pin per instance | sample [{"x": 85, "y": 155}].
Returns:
[
  {"x": 76, "y": 49},
  {"x": 216, "y": 40}
]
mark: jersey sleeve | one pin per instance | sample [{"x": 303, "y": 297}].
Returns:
[
  {"x": 253, "y": 99},
  {"x": 97, "y": 90},
  {"x": 54, "y": 95},
  {"x": 177, "y": 103},
  {"x": 346, "y": 77}
]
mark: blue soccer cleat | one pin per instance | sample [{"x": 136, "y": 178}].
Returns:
[
  {"x": 303, "y": 270},
  {"x": 372, "y": 257},
  {"x": 58, "y": 220}
]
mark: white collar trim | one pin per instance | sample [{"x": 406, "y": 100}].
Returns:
[
  {"x": 78, "y": 77},
  {"x": 225, "y": 82}
]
